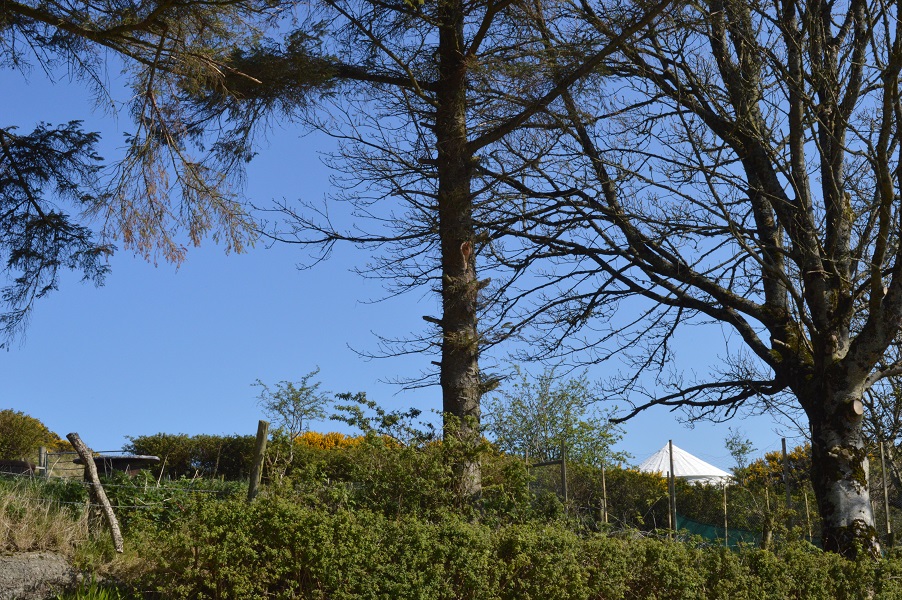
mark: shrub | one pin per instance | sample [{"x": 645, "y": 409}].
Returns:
[
  {"x": 277, "y": 548},
  {"x": 328, "y": 441},
  {"x": 21, "y": 436}
]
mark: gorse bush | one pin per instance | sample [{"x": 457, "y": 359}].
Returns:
[
  {"x": 22, "y": 435},
  {"x": 377, "y": 473},
  {"x": 328, "y": 441}
]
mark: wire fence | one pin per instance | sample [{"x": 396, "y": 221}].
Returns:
[
  {"x": 40, "y": 483},
  {"x": 587, "y": 504}
]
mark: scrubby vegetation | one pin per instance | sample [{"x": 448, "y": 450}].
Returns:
[{"x": 370, "y": 517}]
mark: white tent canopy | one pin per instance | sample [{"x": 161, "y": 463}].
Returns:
[{"x": 685, "y": 466}]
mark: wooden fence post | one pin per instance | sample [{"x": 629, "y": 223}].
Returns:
[
  {"x": 91, "y": 471},
  {"x": 808, "y": 519},
  {"x": 564, "y": 472},
  {"x": 767, "y": 529},
  {"x": 604, "y": 495},
  {"x": 726, "y": 524},
  {"x": 42, "y": 460},
  {"x": 786, "y": 483},
  {"x": 889, "y": 528},
  {"x": 257, "y": 468}
]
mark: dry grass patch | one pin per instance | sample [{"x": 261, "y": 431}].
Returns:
[{"x": 31, "y": 523}]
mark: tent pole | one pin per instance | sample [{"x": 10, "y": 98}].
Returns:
[{"x": 672, "y": 487}]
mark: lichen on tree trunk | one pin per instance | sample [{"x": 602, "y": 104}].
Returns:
[{"x": 839, "y": 476}]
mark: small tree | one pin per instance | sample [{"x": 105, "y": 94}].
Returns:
[
  {"x": 740, "y": 448},
  {"x": 538, "y": 415},
  {"x": 399, "y": 425},
  {"x": 291, "y": 406}
]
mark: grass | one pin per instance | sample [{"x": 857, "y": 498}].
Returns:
[
  {"x": 29, "y": 522},
  {"x": 93, "y": 590}
]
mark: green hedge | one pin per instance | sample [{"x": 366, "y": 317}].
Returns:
[
  {"x": 277, "y": 548},
  {"x": 181, "y": 455}
]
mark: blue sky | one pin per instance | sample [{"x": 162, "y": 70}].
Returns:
[{"x": 160, "y": 349}]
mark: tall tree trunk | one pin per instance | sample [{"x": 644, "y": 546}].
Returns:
[
  {"x": 839, "y": 475},
  {"x": 460, "y": 378}
]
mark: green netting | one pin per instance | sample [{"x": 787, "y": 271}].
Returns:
[{"x": 734, "y": 537}]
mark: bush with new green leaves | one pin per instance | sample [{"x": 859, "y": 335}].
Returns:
[{"x": 534, "y": 417}]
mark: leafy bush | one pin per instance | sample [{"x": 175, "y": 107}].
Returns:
[
  {"x": 140, "y": 501},
  {"x": 378, "y": 518},
  {"x": 378, "y": 473},
  {"x": 634, "y": 499},
  {"x": 328, "y": 441}
]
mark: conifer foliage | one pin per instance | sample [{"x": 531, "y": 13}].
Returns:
[{"x": 61, "y": 206}]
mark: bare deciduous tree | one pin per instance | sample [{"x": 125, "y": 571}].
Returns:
[{"x": 739, "y": 166}]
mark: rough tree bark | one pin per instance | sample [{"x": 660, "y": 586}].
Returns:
[
  {"x": 840, "y": 477},
  {"x": 459, "y": 374}
]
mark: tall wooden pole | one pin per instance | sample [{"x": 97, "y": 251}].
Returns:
[
  {"x": 808, "y": 518},
  {"x": 669, "y": 505},
  {"x": 604, "y": 496},
  {"x": 564, "y": 471},
  {"x": 889, "y": 528},
  {"x": 257, "y": 468},
  {"x": 91, "y": 471},
  {"x": 767, "y": 532},
  {"x": 726, "y": 530},
  {"x": 786, "y": 477}
]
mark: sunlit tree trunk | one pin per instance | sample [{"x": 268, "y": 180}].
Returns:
[{"x": 839, "y": 472}]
